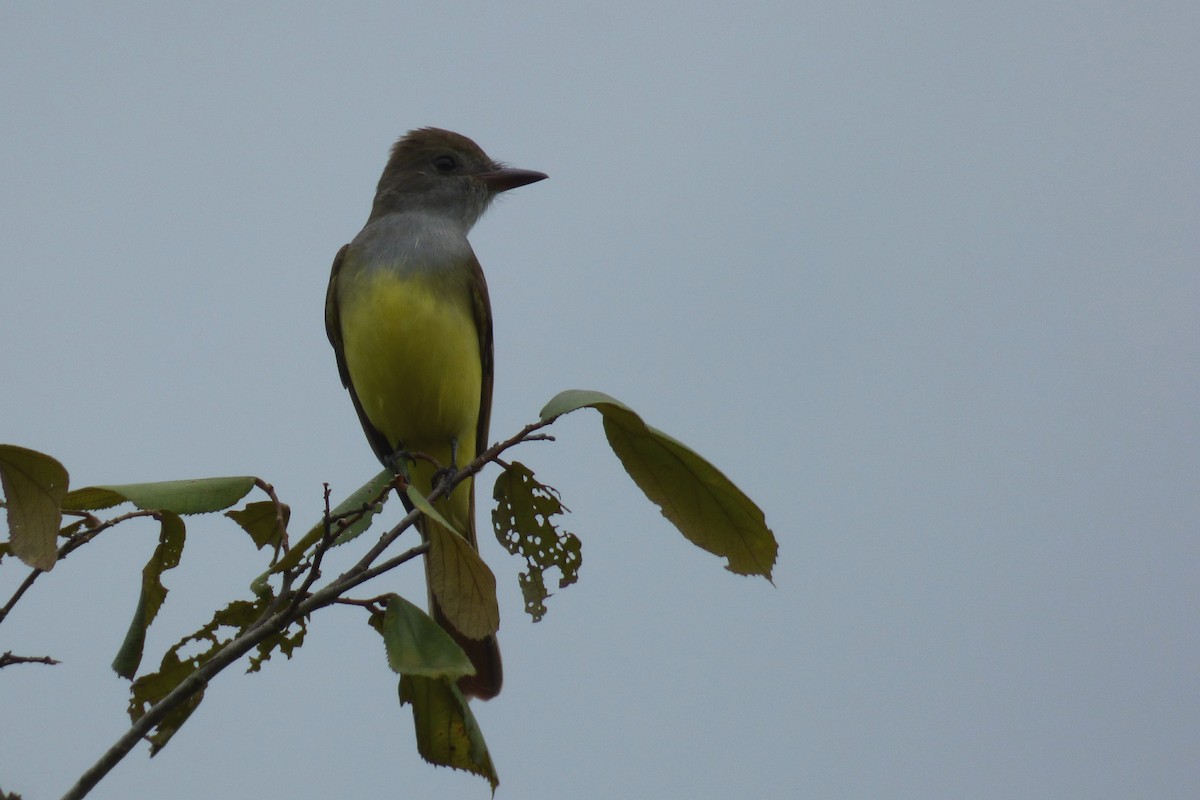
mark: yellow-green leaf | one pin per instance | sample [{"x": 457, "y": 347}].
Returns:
[
  {"x": 197, "y": 496},
  {"x": 523, "y": 519},
  {"x": 34, "y": 487},
  {"x": 694, "y": 495},
  {"x": 260, "y": 520},
  {"x": 463, "y": 584},
  {"x": 92, "y": 498},
  {"x": 447, "y": 733}
]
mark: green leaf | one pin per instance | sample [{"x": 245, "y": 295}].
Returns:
[
  {"x": 166, "y": 556},
  {"x": 523, "y": 521},
  {"x": 34, "y": 485},
  {"x": 694, "y": 495},
  {"x": 447, "y": 733},
  {"x": 373, "y": 491},
  {"x": 574, "y": 399},
  {"x": 354, "y": 513},
  {"x": 260, "y": 521},
  {"x": 197, "y": 496},
  {"x": 416, "y": 645}
]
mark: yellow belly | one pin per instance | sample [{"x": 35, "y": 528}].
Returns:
[{"x": 412, "y": 351}]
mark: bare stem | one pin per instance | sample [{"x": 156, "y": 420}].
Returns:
[{"x": 7, "y": 659}]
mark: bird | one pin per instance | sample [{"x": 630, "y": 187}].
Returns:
[{"x": 408, "y": 315}]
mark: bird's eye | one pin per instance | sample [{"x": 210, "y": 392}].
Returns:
[{"x": 445, "y": 163}]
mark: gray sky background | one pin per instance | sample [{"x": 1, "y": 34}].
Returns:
[{"x": 922, "y": 279}]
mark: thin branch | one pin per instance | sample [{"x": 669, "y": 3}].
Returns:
[
  {"x": 24, "y": 587},
  {"x": 73, "y": 543},
  {"x": 80, "y": 539},
  {"x": 446, "y": 486},
  {"x": 371, "y": 604},
  {"x": 280, "y": 526},
  {"x": 386, "y": 539},
  {"x": 229, "y": 654},
  {"x": 390, "y": 564},
  {"x": 186, "y": 688},
  {"x": 298, "y": 605},
  {"x": 314, "y": 568},
  {"x": 7, "y": 659}
]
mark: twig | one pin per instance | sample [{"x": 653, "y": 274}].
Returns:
[
  {"x": 24, "y": 587},
  {"x": 297, "y": 606},
  {"x": 281, "y": 527},
  {"x": 8, "y": 659},
  {"x": 371, "y": 604},
  {"x": 203, "y": 674},
  {"x": 73, "y": 543},
  {"x": 80, "y": 539}
]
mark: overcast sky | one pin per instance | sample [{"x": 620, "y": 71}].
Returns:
[{"x": 922, "y": 279}]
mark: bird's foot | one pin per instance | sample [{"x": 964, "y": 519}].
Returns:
[
  {"x": 398, "y": 462},
  {"x": 442, "y": 475}
]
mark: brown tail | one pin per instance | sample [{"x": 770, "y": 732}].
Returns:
[
  {"x": 485, "y": 657},
  {"x": 484, "y": 653}
]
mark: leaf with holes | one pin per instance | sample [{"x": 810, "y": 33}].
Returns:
[{"x": 524, "y": 523}]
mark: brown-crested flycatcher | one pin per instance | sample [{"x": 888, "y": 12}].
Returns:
[{"x": 408, "y": 315}]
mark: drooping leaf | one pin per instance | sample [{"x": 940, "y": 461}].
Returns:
[
  {"x": 694, "y": 495},
  {"x": 572, "y": 400},
  {"x": 260, "y": 520},
  {"x": 226, "y": 625},
  {"x": 523, "y": 521},
  {"x": 416, "y": 645},
  {"x": 166, "y": 556},
  {"x": 34, "y": 487},
  {"x": 197, "y": 496},
  {"x": 702, "y": 503},
  {"x": 463, "y": 584},
  {"x": 447, "y": 733}
]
